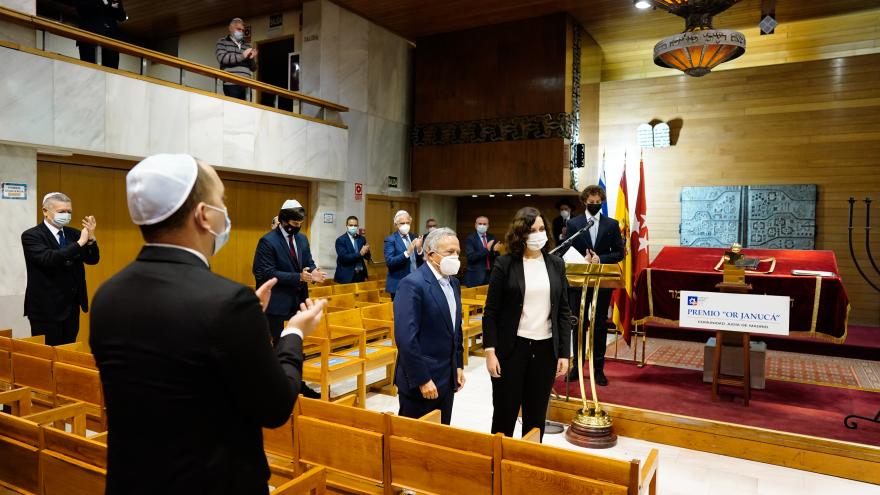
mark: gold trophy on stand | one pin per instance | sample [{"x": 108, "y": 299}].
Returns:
[{"x": 591, "y": 427}]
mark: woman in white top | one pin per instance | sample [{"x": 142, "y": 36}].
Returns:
[{"x": 526, "y": 325}]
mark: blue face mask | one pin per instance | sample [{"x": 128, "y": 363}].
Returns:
[
  {"x": 353, "y": 230},
  {"x": 62, "y": 219},
  {"x": 238, "y": 35},
  {"x": 482, "y": 229},
  {"x": 221, "y": 238}
]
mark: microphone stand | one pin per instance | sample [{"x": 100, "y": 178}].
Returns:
[{"x": 562, "y": 248}]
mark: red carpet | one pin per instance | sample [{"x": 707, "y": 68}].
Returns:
[{"x": 784, "y": 406}]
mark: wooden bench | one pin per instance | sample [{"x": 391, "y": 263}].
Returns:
[
  {"x": 471, "y": 330},
  {"x": 76, "y": 383},
  {"x": 368, "y": 285},
  {"x": 347, "y": 441},
  {"x": 470, "y": 297},
  {"x": 527, "y": 468},
  {"x": 375, "y": 356},
  {"x": 344, "y": 289},
  {"x": 320, "y": 292},
  {"x": 328, "y": 367},
  {"x": 72, "y": 464},
  {"x": 32, "y": 367},
  {"x": 6, "y": 379}
]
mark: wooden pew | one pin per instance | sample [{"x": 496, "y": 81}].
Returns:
[
  {"x": 313, "y": 481},
  {"x": 77, "y": 354},
  {"x": 375, "y": 356},
  {"x": 368, "y": 285},
  {"x": 471, "y": 329},
  {"x": 32, "y": 367},
  {"x": 368, "y": 298},
  {"x": 347, "y": 441},
  {"x": 435, "y": 458},
  {"x": 328, "y": 367},
  {"x": 469, "y": 296},
  {"x": 527, "y": 468},
  {"x": 6, "y": 378},
  {"x": 344, "y": 289},
  {"x": 76, "y": 383},
  {"x": 71, "y": 464},
  {"x": 320, "y": 292}
]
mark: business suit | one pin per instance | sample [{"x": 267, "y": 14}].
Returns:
[
  {"x": 98, "y": 18},
  {"x": 609, "y": 247},
  {"x": 398, "y": 264},
  {"x": 273, "y": 258},
  {"x": 528, "y": 367},
  {"x": 479, "y": 259},
  {"x": 189, "y": 378},
  {"x": 429, "y": 346},
  {"x": 350, "y": 265},
  {"x": 56, "y": 282}
]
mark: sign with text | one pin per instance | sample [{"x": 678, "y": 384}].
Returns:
[
  {"x": 13, "y": 190},
  {"x": 734, "y": 312},
  {"x": 358, "y": 191},
  {"x": 392, "y": 181}
]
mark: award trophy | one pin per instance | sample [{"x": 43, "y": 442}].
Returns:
[{"x": 591, "y": 426}]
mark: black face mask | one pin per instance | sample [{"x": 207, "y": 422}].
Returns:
[
  {"x": 593, "y": 209},
  {"x": 290, "y": 229}
]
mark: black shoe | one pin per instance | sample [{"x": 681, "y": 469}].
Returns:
[
  {"x": 308, "y": 392},
  {"x": 573, "y": 375},
  {"x": 601, "y": 379}
]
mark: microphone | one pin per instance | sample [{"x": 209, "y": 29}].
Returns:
[{"x": 562, "y": 248}]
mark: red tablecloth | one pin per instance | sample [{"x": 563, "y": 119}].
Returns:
[{"x": 820, "y": 306}]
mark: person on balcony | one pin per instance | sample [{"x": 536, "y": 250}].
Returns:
[
  {"x": 100, "y": 17},
  {"x": 237, "y": 57}
]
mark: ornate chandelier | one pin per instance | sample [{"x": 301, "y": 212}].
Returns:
[{"x": 700, "y": 48}]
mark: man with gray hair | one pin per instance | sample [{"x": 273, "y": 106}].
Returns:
[
  {"x": 403, "y": 253},
  {"x": 427, "y": 331},
  {"x": 54, "y": 255},
  {"x": 236, "y": 57}
]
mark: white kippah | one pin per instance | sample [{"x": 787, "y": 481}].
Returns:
[
  {"x": 47, "y": 196},
  {"x": 158, "y": 186},
  {"x": 291, "y": 203}
]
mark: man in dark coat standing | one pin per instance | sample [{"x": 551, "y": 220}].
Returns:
[
  {"x": 100, "y": 17},
  {"x": 189, "y": 375},
  {"x": 54, "y": 255}
]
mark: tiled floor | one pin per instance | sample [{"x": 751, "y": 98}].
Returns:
[{"x": 681, "y": 471}]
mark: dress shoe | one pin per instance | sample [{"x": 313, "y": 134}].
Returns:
[
  {"x": 573, "y": 375},
  {"x": 601, "y": 379},
  {"x": 308, "y": 392}
]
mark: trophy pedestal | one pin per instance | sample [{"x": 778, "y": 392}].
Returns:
[{"x": 591, "y": 430}]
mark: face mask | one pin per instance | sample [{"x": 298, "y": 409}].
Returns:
[
  {"x": 593, "y": 209},
  {"x": 221, "y": 238},
  {"x": 449, "y": 265},
  {"x": 403, "y": 229},
  {"x": 62, "y": 219},
  {"x": 565, "y": 214},
  {"x": 290, "y": 229},
  {"x": 536, "y": 240},
  {"x": 431, "y": 229},
  {"x": 352, "y": 230},
  {"x": 481, "y": 229},
  {"x": 238, "y": 35}
]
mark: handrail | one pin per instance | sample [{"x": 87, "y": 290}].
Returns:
[{"x": 165, "y": 59}]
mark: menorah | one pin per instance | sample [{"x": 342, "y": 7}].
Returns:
[{"x": 849, "y": 421}]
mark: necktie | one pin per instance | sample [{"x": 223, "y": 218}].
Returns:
[
  {"x": 593, "y": 231},
  {"x": 293, "y": 253},
  {"x": 486, "y": 245},
  {"x": 62, "y": 241},
  {"x": 450, "y": 298}
]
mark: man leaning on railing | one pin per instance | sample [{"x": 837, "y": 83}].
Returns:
[
  {"x": 236, "y": 57},
  {"x": 100, "y": 17}
]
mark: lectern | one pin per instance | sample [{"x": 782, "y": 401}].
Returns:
[{"x": 591, "y": 426}]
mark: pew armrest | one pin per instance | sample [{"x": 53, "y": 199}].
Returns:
[
  {"x": 313, "y": 479},
  {"x": 647, "y": 477},
  {"x": 432, "y": 417},
  {"x": 533, "y": 436}
]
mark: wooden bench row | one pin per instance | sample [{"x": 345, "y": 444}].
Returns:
[{"x": 366, "y": 452}]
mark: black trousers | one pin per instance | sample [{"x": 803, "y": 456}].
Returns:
[
  {"x": 527, "y": 377},
  {"x": 600, "y": 334},
  {"x": 359, "y": 276},
  {"x": 276, "y": 325},
  {"x": 57, "y": 332},
  {"x": 416, "y": 406},
  {"x": 88, "y": 53},
  {"x": 235, "y": 91}
]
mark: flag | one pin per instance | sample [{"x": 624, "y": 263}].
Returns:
[
  {"x": 639, "y": 239},
  {"x": 622, "y": 297},
  {"x": 602, "y": 184}
]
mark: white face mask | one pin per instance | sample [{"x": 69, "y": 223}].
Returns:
[
  {"x": 536, "y": 240},
  {"x": 62, "y": 219},
  {"x": 221, "y": 238},
  {"x": 449, "y": 265},
  {"x": 565, "y": 214},
  {"x": 404, "y": 229}
]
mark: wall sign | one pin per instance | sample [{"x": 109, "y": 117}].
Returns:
[
  {"x": 276, "y": 21},
  {"x": 392, "y": 181},
  {"x": 358, "y": 191},
  {"x": 14, "y": 190},
  {"x": 329, "y": 217}
]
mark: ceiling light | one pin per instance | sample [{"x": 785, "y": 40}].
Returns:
[
  {"x": 491, "y": 195},
  {"x": 475, "y": 195},
  {"x": 700, "y": 48},
  {"x": 642, "y": 4},
  {"x": 528, "y": 195}
]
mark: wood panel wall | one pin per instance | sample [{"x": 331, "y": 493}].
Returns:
[
  {"x": 810, "y": 122},
  {"x": 506, "y": 70},
  {"x": 100, "y": 191}
]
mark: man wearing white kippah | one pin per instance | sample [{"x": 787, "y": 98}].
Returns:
[
  {"x": 54, "y": 256},
  {"x": 189, "y": 375}
]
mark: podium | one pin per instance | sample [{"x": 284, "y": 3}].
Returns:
[{"x": 591, "y": 427}]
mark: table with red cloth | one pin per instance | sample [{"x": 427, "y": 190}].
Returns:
[{"x": 819, "y": 307}]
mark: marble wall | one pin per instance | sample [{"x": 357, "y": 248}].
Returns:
[
  {"x": 88, "y": 111},
  {"x": 17, "y": 165},
  {"x": 347, "y": 59}
]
